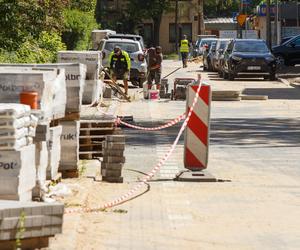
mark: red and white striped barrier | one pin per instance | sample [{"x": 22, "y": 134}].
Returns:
[
  {"x": 197, "y": 132},
  {"x": 150, "y": 175}
]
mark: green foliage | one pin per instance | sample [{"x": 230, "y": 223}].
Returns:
[
  {"x": 78, "y": 28},
  {"x": 83, "y": 5},
  {"x": 41, "y": 50}
]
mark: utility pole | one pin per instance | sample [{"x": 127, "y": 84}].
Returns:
[
  {"x": 176, "y": 25},
  {"x": 268, "y": 26}
]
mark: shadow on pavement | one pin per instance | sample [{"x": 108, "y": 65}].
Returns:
[
  {"x": 270, "y": 132},
  {"x": 275, "y": 93},
  {"x": 162, "y": 137}
]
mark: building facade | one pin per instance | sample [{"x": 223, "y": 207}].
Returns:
[{"x": 188, "y": 24}]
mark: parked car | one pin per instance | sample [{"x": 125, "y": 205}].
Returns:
[
  {"x": 221, "y": 45},
  {"x": 221, "y": 61},
  {"x": 249, "y": 57},
  {"x": 283, "y": 40},
  {"x": 196, "y": 49},
  {"x": 138, "y": 72},
  {"x": 128, "y": 36},
  {"x": 208, "y": 57},
  {"x": 288, "y": 53}
]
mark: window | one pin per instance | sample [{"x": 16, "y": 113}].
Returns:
[
  {"x": 183, "y": 29},
  {"x": 128, "y": 47},
  {"x": 297, "y": 42}
]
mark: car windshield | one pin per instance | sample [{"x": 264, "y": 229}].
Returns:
[
  {"x": 128, "y": 47},
  {"x": 251, "y": 46},
  {"x": 205, "y": 41}
]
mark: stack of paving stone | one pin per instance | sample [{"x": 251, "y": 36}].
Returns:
[
  {"x": 69, "y": 148},
  {"x": 54, "y": 152},
  {"x": 93, "y": 61},
  {"x": 113, "y": 158},
  {"x": 30, "y": 222},
  {"x": 75, "y": 74},
  {"x": 49, "y": 84},
  {"x": 17, "y": 153},
  {"x": 226, "y": 95},
  {"x": 17, "y": 126}
]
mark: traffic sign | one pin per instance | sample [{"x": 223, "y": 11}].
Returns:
[{"x": 241, "y": 19}]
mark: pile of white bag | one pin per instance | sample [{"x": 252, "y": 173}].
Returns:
[
  {"x": 17, "y": 126},
  {"x": 17, "y": 152}
]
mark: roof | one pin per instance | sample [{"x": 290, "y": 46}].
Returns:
[
  {"x": 220, "y": 20},
  {"x": 121, "y": 40}
]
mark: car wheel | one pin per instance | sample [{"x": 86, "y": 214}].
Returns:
[
  {"x": 272, "y": 77},
  {"x": 230, "y": 77},
  {"x": 225, "y": 75},
  {"x": 280, "y": 61}
]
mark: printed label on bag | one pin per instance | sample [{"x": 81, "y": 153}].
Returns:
[{"x": 8, "y": 165}]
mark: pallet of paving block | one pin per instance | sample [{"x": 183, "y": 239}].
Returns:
[
  {"x": 89, "y": 155},
  {"x": 75, "y": 116},
  {"x": 90, "y": 151},
  {"x": 69, "y": 173},
  {"x": 29, "y": 243}
]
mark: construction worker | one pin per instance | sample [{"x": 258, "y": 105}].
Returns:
[
  {"x": 184, "y": 50},
  {"x": 120, "y": 64},
  {"x": 154, "y": 63}
]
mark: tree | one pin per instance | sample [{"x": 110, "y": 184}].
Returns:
[
  {"x": 78, "y": 29},
  {"x": 149, "y": 9},
  {"x": 20, "y": 19}
]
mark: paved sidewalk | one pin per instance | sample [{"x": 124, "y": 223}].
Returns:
[{"x": 254, "y": 144}]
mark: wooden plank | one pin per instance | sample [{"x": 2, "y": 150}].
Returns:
[
  {"x": 30, "y": 243},
  {"x": 69, "y": 173},
  {"x": 96, "y": 129}
]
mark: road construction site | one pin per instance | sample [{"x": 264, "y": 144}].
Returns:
[{"x": 253, "y": 153}]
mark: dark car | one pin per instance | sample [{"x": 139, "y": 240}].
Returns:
[
  {"x": 288, "y": 53},
  {"x": 283, "y": 40},
  {"x": 249, "y": 57},
  {"x": 208, "y": 57}
]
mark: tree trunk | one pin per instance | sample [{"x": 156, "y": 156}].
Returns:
[
  {"x": 156, "y": 29},
  {"x": 201, "y": 18}
]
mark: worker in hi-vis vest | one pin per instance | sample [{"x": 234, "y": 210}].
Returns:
[
  {"x": 119, "y": 62},
  {"x": 184, "y": 50}
]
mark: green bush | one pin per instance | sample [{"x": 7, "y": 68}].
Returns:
[
  {"x": 42, "y": 50},
  {"x": 78, "y": 28}
]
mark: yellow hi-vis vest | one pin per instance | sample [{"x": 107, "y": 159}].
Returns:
[{"x": 184, "y": 46}]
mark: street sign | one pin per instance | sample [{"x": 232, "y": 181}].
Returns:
[{"x": 241, "y": 19}]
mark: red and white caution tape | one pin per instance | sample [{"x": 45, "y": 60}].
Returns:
[
  {"x": 167, "y": 125},
  {"x": 149, "y": 176}
]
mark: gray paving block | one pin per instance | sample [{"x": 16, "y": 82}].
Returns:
[
  {"x": 111, "y": 173},
  {"x": 115, "y": 138},
  {"x": 112, "y": 166},
  {"x": 113, "y": 145},
  {"x": 114, "y": 159},
  {"x": 113, "y": 152},
  {"x": 113, "y": 179}
]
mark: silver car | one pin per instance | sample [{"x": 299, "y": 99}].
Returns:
[
  {"x": 138, "y": 71},
  {"x": 221, "y": 45}
]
